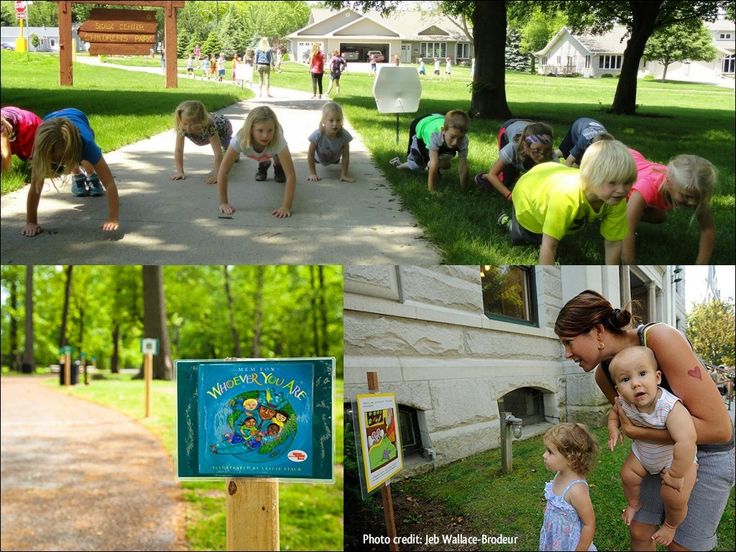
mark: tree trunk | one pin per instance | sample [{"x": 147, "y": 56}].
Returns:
[
  {"x": 257, "y": 313},
  {"x": 644, "y": 16},
  {"x": 115, "y": 357},
  {"x": 154, "y": 320},
  {"x": 80, "y": 338},
  {"x": 29, "y": 361},
  {"x": 231, "y": 315},
  {"x": 664, "y": 71},
  {"x": 489, "y": 81},
  {"x": 15, "y": 357},
  {"x": 65, "y": 308}
]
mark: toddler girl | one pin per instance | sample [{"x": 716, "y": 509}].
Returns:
[
  {"x": 192, "y": 121},
  {"x": 64, "y": 141},
  {"x": 18, "y": 127},
  {"x": 522, "y": 144},
  {"x": 569, "y": 519},
  {"x": 262, "y": 139},
  {"x": 330, "y": 143},
  {"x": 552, "y": 200},
  {"x": 687, "y": 181}
]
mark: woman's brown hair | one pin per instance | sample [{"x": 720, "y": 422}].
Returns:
[{"x": 588, "y": 308}]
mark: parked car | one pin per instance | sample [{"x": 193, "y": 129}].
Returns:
[
  {"x": 7, "y": 46},
  {"x": 351, "y": 56},
  {"x": 377, "y": 53}
]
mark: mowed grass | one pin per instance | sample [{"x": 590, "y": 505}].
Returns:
[
  {"x": 673, "y": 118},
  {"x": 311, "y": 516},
  {"x": 495, "y": 503},
  {"x": 122, "y": 106}
]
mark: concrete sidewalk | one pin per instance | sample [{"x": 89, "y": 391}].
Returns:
[{"x": 176, "y": 222}]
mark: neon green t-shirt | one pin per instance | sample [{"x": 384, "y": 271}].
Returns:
[{"x": 549, "y": 199}]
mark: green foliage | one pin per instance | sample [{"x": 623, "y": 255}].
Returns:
[
  {"x": 679, "y": 43},
  {"x": 213, "y": 45},
  {"x": 515, "y": 59},
  {"x": 35, "y": 41},
  {"x": 536, "y": 27},
  {"x": 710, "y": 327},
  {"x": 301, "y": 313}
]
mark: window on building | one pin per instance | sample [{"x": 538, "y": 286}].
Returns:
[
  {"x": 433, "y": 49},
  {"x": 639, "y": 299},
  {"x": 570, "y": 61},
  {"x": 544, "y": 60},
  {"x": 729, "y": 64},
  {"x": 587, "y": 62},
  {"x": 526, "y": 403},
  {"x": 609, "y": 62},
  {"x": 725, "y": 36},
  {"x": 559, "y": 60},
  {"x": 508, "y": 293},
  {"x": 462, "y": 50},
  {"x": 411, "y": 439}
]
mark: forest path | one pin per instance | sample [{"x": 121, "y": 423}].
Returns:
[{"x": 78, "y": 476}]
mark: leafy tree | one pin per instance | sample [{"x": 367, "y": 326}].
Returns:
[
  {"x": 515, "y": 59},
  {"x": 710, "y": 327},
  {"x": 35, "y": 41},
  {"x": 536, "y": 27},
  {"x": 212, "y": 45},
  {"x": 680, "y": 43},
  {"x": 641, "y": 19}
]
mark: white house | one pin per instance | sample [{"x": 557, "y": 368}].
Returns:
[
  {"x": 408, "y": 34},
  {"x": 594, "y": 55},
  {"x": 460, "y": 344},
  {"x": 48, "y": 37}
]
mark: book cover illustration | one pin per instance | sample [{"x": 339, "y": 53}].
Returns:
[
  {"x": 379, "y": 438},
  {"x": 256, "y": 421}
]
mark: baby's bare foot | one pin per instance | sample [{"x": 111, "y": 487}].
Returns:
[
  {"x": 629, "y": 512},
  {"x": 664, "y": 535}
]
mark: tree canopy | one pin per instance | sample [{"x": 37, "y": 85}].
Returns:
[
  {"x": 680, "y": 42},
  {"x": 710, "y": 328}
]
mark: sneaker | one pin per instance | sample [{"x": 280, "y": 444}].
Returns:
[
  {"x": 262, "y": 173},
  {"x": 278, "y": 173},
  {"x": 504, "y": 221},
  {"x": 79, "y": 185},
  {"x": 481, "y": 180},
  {"x": 95, "y": 186}
]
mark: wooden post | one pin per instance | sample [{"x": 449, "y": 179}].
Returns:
[
  {"x": 388, "y": 503},
  {"x": 170, "y": 45},
  {"x": 252, "y": 519},
  {"x": 148, "y": 376},
  {"x": 66, "y": 45},
  {"x": 67, "y": 369}
]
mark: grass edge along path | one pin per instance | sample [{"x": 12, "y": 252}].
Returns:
[{"x": 311, "y": 516}]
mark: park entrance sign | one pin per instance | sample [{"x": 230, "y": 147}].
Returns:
[
  {"x": 119, "y": 31},
  {"x": 256, "y": 418}
]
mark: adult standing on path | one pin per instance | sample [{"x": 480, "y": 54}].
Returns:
[
  {"x": 316, "y": 69},
  {"x": 264, "y": 60},
  {"x": 78, "y": 476}
]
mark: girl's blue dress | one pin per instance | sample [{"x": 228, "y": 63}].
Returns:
[{"x": 561, "y": 526}]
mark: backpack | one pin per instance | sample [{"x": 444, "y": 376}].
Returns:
[{"x": 263, "y": 58}]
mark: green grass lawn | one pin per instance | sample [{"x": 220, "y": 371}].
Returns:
[
  {"x": 673, "y": 118},
  {"x": 513, "y": 504},
  {"x": 311, "y": 516}
]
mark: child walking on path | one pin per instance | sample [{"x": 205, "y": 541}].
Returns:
[
  {"x": 64, "y": 141},
  {"x": 636, "y": 377},
  {"x": 433, "y": 141},
  {"x": 687, "y": 181},
  {"x": 330, "y": 144},
  {"x": 569, "y": 519},
  {"x": 17, "y": 133},
  {"x": 337, "y": 66},
  {"x": 192, "y": 121},
  {"x": 522, "y": 145},
  {"x": 551, "y": 201},
  {"x": 262, "y": 139}
]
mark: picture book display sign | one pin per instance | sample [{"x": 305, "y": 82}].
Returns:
[
  {"x": 255, "y": 418},
  {"x": 380, "y": 444}
]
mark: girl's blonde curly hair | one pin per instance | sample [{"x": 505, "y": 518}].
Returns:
[{"x": 576, "y": 444}]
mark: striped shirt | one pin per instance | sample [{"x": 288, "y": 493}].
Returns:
[{"x": 653, "y": 456}]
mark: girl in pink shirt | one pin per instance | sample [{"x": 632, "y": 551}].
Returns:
[
  {"x": 687, "y": 181},
  {"x": 18, "y": 130}
]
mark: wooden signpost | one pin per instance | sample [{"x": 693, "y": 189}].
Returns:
[
  {"x": 119, "y": 31},
  {"x": 111, "y": 24},
  {"x": 149, "y": 347}
]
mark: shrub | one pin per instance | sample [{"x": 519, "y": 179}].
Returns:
[{"x": 606, "y": 76}]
